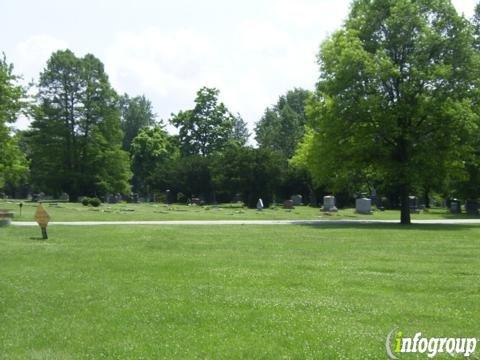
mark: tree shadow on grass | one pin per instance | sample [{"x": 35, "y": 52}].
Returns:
[{"x": 386, "y": 226}]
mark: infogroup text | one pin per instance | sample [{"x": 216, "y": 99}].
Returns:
[{"x": 429, "y": 346}]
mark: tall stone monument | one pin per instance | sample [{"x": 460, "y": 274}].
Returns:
[{"x": 260, "y": 205}]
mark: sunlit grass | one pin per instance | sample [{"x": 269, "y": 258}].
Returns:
[
  {"x": 233, "y": 292},
  {"x": 124, "y": 211}
]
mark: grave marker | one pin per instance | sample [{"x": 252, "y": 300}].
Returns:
[
  {"x": 260, "y": 205},
  {"x": 363, "y": 206},
  {"x": 288, "y": 204},
  {"x": 329, "y": 204}
]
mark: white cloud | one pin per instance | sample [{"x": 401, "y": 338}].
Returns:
[
  {"x": 465, "y": 7},
  {"x": 31, "y": 55},
  {"x": 252, "y": 65},
  {"x": 29, "y": 58},
  {"x": 267, "y": 48},
  {"x": 166, "y": 66}
]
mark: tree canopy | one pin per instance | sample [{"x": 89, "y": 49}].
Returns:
[
  {"x": 152, "y": 151},
  {"x": 136, "y": 114},
  {"x": 282, "y": 126},
  {"x": 75, "y": 137},
  {"x": 396, "y": 95},
  {"x": 209, "y": 126},
  {"x": 13, "y": 165}
]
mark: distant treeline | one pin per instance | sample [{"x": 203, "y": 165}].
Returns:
[{"x": 395, "y": 111}]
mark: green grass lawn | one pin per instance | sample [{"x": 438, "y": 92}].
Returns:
[
  {"x": 112, "y": 212},
  {"x": 290, "y": 291}
]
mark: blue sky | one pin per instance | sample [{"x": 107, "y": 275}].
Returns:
[{"x": 253, "y": 51}]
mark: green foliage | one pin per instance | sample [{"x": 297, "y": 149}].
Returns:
[
  {"x": 181, "y": 198},
  {"x": 282, "y": 127},
  {"x": 208, "y": 127},
  {"x": 136, "y": 114},
  {"x": 13, "y": 165},
  {"x": 75, "y": 138},
  {"x": 253, "y": 173},
  {"x": 93, "y": 201},
  {"x": 240, "y": 131},
  {"x": 476, "y": 25},
  {"x": 395, "y": 97},
  {"x": 152, "y": 153},
  {"x": 192, "y": 176}
]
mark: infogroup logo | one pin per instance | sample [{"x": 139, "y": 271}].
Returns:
[{"x": 396, "y": 344}]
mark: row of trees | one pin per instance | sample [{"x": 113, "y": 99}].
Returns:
[
  {"x": 210, "y": 157},
  {"x": 85, "y": 139},
  {"x": 396, "y": 109}
]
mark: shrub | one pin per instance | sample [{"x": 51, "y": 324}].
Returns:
[
  {"x": 85, "y": 201},
  {"x": 95, "y": 202}
]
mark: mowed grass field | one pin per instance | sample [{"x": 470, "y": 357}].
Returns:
[
  {"x": 158, "y": 212},
  {"x": 272, "y": 292}
]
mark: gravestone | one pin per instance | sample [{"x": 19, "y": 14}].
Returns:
[
  {"x": 363, "y": 206},
  {"x": 413, "y": 204},
  {"x": 6, "y": 217},
  {"x": 260, "y": 205},
  {"x": 455, "y": 207},
  {"x": 297, "y": 200},
  {"x": 288, "y": 204},
  {"x": 329, "y": 204}
]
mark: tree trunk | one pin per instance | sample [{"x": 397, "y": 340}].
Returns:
[
  {"x": 312, "y": 196},
  {"x": 427, "y": 197},
  {"x": 404, "y": 206}
]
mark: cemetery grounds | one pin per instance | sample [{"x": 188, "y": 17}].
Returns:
[{"x": 231, "y": 291}]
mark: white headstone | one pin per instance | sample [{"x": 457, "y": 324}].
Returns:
[
  {"x": 363, "y": 206},
  {"x": 329, "y": 203},
  {"x": 297, "y": 200},
  {"x": 259, "y": 204}
]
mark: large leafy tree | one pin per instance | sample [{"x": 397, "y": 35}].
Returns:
[
  {"x": 476, "y": 25},
  {"x": 13, "y": 165},
  {"x": 282, "y": 126},
  {"x": 153, "y": 153},
  {"x": 137, "y": 113},
  {"x": 206, "y": 128},
  {"x": 252, "y": 173},
  {"x": 281, "y": 129},
  {"x": 75, "y": 137},
  {"x": 192, "y": 176},
  {"x": 395, "y": 95},
  {"x": 465, "y": 183}
]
